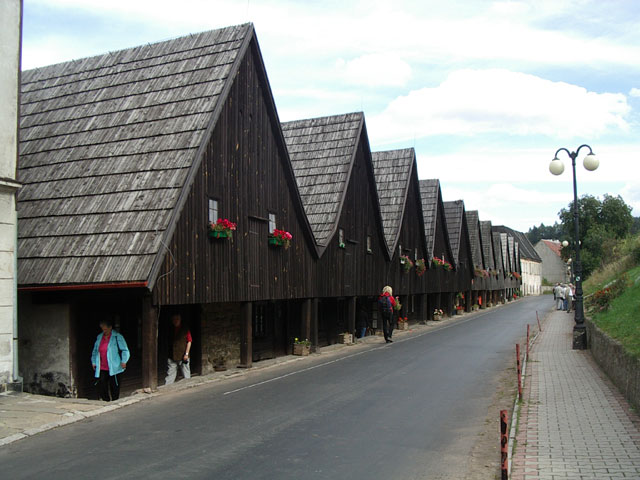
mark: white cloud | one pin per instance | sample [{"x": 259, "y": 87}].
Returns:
[
  {"x": 376, "y": 69},
  {"x": 630, "y": 193},
  {"x": 634, "y": 92},
  {"x": 473, "y": 102}
]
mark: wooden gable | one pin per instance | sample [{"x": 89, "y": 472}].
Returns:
[{"x": 246, "y": 169}]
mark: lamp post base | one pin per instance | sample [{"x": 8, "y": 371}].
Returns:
[{"x": 579, "y": 337}]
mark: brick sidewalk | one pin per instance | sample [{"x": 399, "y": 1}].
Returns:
[{"x": 573, "y": 422}]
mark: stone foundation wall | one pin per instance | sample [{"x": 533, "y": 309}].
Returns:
[
  {"x": 621, "y": 367},
  {"x": 221, "y": 331}
]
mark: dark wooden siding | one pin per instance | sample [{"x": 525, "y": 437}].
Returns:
[
  {"x": 352, "y": 271},
  {"x": 246, "y": 170}
]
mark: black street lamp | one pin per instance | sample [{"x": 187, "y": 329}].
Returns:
[{"x": 556, "y": 167}]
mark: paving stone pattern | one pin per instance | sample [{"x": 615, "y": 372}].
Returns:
[{"x": 574, "y": 423}]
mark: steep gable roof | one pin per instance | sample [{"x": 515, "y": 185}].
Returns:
[
  {"x": 487, "y": 244},
  {"x": 526, "y": 249},
  {"x": 497, "y": 251},
  {"x": 108, "y": 150},
  {"x": 454, "y": 214},
  {"x": 473, "y": 227},
  {"x": 555, "y": 246},
  {"x": 322, "y": 151},
  {"x": 430, "y": 197},
  {"x": 392, "y": 171}
]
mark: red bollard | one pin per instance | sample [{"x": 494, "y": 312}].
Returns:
[
  {"x": 504, "y": 444},
  {"x": 538, "y": 318},
  {"x": 519, "y": 368},
  {"x": 527, "y": 340}
]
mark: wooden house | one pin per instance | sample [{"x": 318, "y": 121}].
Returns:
[
  {"x": 127, "y": 158},
  {"x": 403, "y": 222},
  {"x": 333, "y": 169},
  {"x": 528, "y": 263},
  {"x": 481, "y": 282},
  {"x": 496, "y": 279},
  {"x": 455, "y": 216},
  {"x": 441, "y": 282}
]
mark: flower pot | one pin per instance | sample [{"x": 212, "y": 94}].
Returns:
[
  {"x": 218, "y": 234},
  {"x": 301, "y": 349},
  {"x": 345, "y": 338},
  {"x": 475, "y": 308},
  {"x": 275, "y": 242},
  {"x": 403, "y": 325},
  {"x": 437, "y": 318}
]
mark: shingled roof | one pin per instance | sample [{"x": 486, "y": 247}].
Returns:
[
  {"x": 487, "y": 244},
  {"x": 497, "y": 251},
  {"x": 108, "y": 147},
  {"x": 454, "y": 214},
  {"x": 473, "y": 227},
  {"x": 430, "y": 197},
  {"x": 526, "y": 249},
  {"x": 322, "y": 151},
  {"x": 392, "y": 171}
]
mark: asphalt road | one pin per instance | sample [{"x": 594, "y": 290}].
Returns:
[{"x": 407, "y": 410}]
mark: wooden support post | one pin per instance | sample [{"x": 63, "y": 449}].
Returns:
[
  {"x": 519, "y": 370},
  {"x": 314, "y": 325},
  {"x": 504, "y": 444},
  {"x": 424, "y": 306},
  {"x": 305, "y": 327},
  {"x": 246, "y": 343},
  {"x": 351, "y": 315},
  {"x": 528, "y": 340},
  {"x": 468, "y": 298},
  {"x": 538, "y": 319},
  {"x": 149, "y": 344}
]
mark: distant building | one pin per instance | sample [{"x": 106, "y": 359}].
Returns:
[
  {"x": 554, "y": 269},
  {"x": 530, "y": 261},
  {"x": 10, "y": 38}
]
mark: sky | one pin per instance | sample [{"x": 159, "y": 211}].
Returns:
[{"x": 485, "y": 92}]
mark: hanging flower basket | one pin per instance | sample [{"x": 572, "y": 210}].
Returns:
[
  {"x": 406, "y": 263},
  {"x": 223, "y": 228},
  {"x": 280, "y": 238},
  {"x": 421, "y": 267}
]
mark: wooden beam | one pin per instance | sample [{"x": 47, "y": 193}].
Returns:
[
  {"x": 246, "y": 346},
  {"x": 149, "y": 344},
  {"x": 305, "y": 328},
  {"x": 314, "y": 325},
  {"x": 351, "y": 312}
]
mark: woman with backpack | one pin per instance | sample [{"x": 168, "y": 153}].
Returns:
[{"x": 386, "y": 304}]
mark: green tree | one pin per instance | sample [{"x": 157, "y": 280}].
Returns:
[
  {"x": 601, "y": 224},
  {"x": 551, "y": 232}
]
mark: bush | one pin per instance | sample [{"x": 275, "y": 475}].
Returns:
[{"x": 601, "y": 299}]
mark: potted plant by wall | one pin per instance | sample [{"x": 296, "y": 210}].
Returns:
[
  {"x": 223, "y": 228},
  {"x": 403, "y": 323},
  {"x": 406, "y": 263},
  {"x": 438, "y": 314},
  {"x": 301, "y": 347},
  {"x": 421, "y": 267},
  {"x": 280, "y": 238},
  {"x": 346, "y": 338}
]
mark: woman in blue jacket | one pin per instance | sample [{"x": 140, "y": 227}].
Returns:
[{"x": 109, "y": 358}]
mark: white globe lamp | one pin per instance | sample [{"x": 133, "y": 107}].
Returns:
[
  {"x": 556, "y": 166},
  {"x": 590, "y": 162}
]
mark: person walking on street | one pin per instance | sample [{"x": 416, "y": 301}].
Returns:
[
  {"x": 180, "y": 342},
  {"x": 560, "y": 297},
  {"x": 386, "y": 304},
  {"x": 109, "y": 359},
  {"x": 569, "y": 297}
]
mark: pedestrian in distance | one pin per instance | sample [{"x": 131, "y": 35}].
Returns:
[
  {"x": 109, "y": 359},
  {"x": 362, "y": 322},
  {"x": 386, "y": 305},
  {"x": 560, "y": 297},
  {"x": 569, "y": 293},
  {"x": 180, "y": 341},
  {"x": 555, "y": 292},
  {"x": 567, "y": 298}
]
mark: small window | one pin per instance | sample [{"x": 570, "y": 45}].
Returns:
[
  {"x": 272, "y": 222},
  {"x": 213, "y": 210},
  {"x": 369, "y": 243},
  {"x": 415, "y": 254},
  {"x": 399, "y": 250},
  {"x": 341, "y": 236}
]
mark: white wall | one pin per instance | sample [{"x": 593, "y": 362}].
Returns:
[
  {"x": 10, "y": 37},
  {"x": 531, "y": 277}
]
